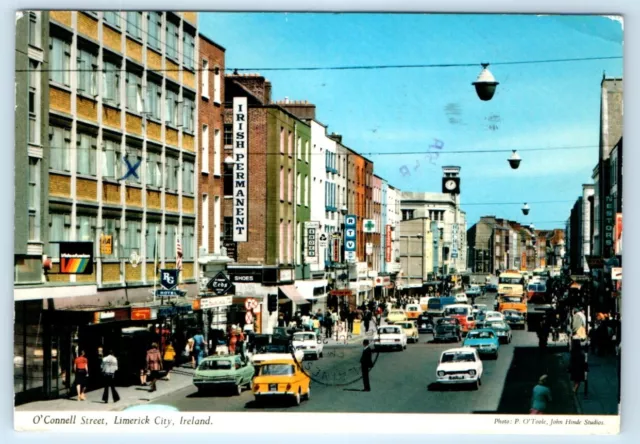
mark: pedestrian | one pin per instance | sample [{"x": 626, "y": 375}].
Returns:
[
  {"x": 198, "y": 347},
  {"x": 543, "y": 333},
  {"x": 169, "y": 359},
  {"x": 367, "y": 320},
  {"x": 350, "y": 318},
  {"x": 541, "y": 397},
  {"x": 240, "y": 343},
  {"x": 328, "y": 324},
  {"x": 81, "y": 368},
  {"x": 366, "y": 364},
  {"x": 189, "y": 349},
  {"x": 154, "y": 365},
  {"x": 576, "y": 367},
  {"x": 109, "y": 369}
]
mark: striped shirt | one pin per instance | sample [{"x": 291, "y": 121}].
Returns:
[{"x": 109, "y": 365}]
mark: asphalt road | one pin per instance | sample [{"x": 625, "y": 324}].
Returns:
[{"x": 401, "y": 381}]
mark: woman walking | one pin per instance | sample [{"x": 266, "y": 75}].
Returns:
[
  {"x": 154, "y": 365},
  {"x": 576, "y": 367},
  {"x": 169, "y": 359},
  {"x": 81, "y": 368},
  {"x": 541, "y": 397}
]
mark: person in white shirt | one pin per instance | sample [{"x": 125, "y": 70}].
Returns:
[{"x": 109, "y": 369}]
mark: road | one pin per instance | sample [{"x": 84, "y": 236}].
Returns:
[{"x": 402, "y": 382}]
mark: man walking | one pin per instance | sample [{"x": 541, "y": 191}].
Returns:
[
  {"x": 366, "y": 364},
  {"x": 109, "y": 369}
]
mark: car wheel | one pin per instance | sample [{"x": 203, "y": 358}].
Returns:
[
  {"x": 321, "y": 355},
  {"x": 496, "y": 356},
  {"x": 238, "y": 390},
  {"x": 296, "y": 399},
  {"x": 476, "y": 385},
  {"x": 308, "y": 395}
]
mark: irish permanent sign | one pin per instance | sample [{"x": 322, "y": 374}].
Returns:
[{"x": 240, "y": 177}]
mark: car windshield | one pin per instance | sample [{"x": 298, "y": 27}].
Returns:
[
  {"x": 499, "y": 325},
  {"x": 480, "y": 307},
  {"x": 444, "y": 328},
  {"x": 480, "y": 335},
  {"x": 275, "y": 348},
  {"x": 276, "y": 370},
  {"x": 388, "y": 330},
  {"x": 539, "y": 288},
  {"x": 215, "y": 364},
  {"x": 406, "y": 325},
  {"x": 396, "y": 312},
  {"x": 458, "y": 311},
  {"x": 512, "y": 281},
  {"x": 513, "y": 300},
  {"x": 412, "y": 308},
  {"x": 303, "y": 337},
  {"x": 458, "y": 357},
  {"x": 512, "y": 313}
]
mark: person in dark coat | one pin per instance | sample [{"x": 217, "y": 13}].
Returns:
[
  {"x": 577, "y": 367},
  {"x": 366, "y": 364},
  {"x": 543, "y": 333},
  {"x": 367, "y": 320}
]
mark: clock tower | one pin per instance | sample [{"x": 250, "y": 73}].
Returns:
[{"x": 451, "y": 179}]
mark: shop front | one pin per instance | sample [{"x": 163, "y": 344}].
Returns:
[{"x": 316, "y": 292}]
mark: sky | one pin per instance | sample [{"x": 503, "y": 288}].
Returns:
[{"x": 383, "y": 112}]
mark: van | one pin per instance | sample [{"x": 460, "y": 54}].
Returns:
[
  {"x": 437, "y": 305},
  {"x": 464, "y": 314},
  {"x": 424, "y": 303},
  {"x": 413, "y": 311}
]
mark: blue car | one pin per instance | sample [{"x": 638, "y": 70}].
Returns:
[{"x": 484, "y": 340}]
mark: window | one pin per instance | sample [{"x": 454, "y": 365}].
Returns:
[
  {"x": 85, "y": 228},
  {"x": 307, "y": 189},
  {"x": 228, "y": 136},
  {"x": 134, "y": 92},
  {"x": 188, "y": 240},
  {"x": 299, "y": 250},
  {"x": 133, "y": 156},
  {"x": 289, "y": 243},
  {"x": 188, "y": 177},
  {"x": 34, "y": 199},
  {"x": 86, "y": 150},
  {"x": 228, "y": 180},
  {"x": 113, "y": 18},
  {"x": 170, "y": 242},
  {"x": 171, "y": 173},
  {"x": 154, "y": 169},
  {"x": 290, "y": 182},
  {"x": 188, "y": 112},
  {"x": 60, "y": 145},
  {"x": 204, "y": 237},
  {"x": 171, "y": 110},
  {"x": 189, "y": 47},
  {"x": 59, "y": 61},
  {"x": 216, "y": 152},
  {"x": 134, "y": 24},
  {"x": 205, "y": 149},
  {"x": 34, "y": 102},
  {"x": 172, "y": 40},
  {"x": 281, "y": 243},
  {"x": 34, "y": 29},
  {"x": 282, "y": 183},
  {"x": 132, "y": 237},
  {"x": 289, "y": 148},
  {"x": 298, "y": 189},
  {"x": 111, "y": 84},
  {"x": 111, "y": 227},
  {"x": 281, "y": 140},
  {"x": 228, "y": 229},
  {"x": 299, "y": 148},
  {"x": 154, "y": 99},
  {"x": 153, "y": 230},
  {"x": 308, "y": 153},
  {"x": 216, "y": 86},
  {"x": 59, "y": 231},
  {"x": 154, "y": 30},
  {"x": 204, "y": 76},
  {"x": 110, "y": 154}
]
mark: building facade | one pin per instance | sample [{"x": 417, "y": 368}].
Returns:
[{"x": 416, "y": 254}]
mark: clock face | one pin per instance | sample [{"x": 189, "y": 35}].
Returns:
[{"x": 450, "y": 185}]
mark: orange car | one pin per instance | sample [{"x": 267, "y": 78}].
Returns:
[{"x": 281, "y": 378}]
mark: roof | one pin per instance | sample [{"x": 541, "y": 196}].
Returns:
[
  {"x": 280, "y": 361},
  {"x": 460, "y": 350},
  {"x": 204, "y": 37}
]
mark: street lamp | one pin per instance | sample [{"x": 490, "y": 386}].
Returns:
[
  {"x": 229, "y": 160},
  {"x": 525, "y": 209},
  {"x": 514, "y": 160},
  {"x": 485, "y": 84}
]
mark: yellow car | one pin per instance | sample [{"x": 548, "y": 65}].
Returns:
[
  {"x": 410, "y": 329},
  {"x": 396, "y": 315},
  {"x": 281, "y": 378}
]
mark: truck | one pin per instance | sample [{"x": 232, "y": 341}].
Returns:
[
  {"x": 539, "y": 301},
  {"x": 511, "y": 292}
]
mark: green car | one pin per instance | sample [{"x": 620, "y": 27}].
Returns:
[{"x": 223, "y": 372}]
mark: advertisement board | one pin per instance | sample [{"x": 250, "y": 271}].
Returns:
[
  {"x": 240, "y": 172},
  {"x": 76, "y": 257}
]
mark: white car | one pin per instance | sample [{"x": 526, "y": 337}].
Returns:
[
  {"x": 477, "y": 308},
  {"x": 390, "y": 336},
  {"x": 308, "y": 343},
  {"x": 272, "y": 352},
  {"x": 493, "y": 316},
  {"x": 461, "y": 298},
  {"x": 460, "y": 366}
]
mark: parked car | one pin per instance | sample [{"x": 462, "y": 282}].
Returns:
[
  {"x": 390, "y": 336},
  {"x": 484, "y": 340},
  {"x": 223, "y": 372},
  {"x": 425, "y": 323},
  {"x": 308, "y": 343},
  {"x": 281, "y": 378},
  {"x": 410, "y": 330},
  {"x": 460, "y": 366},
  {"x": 514, "y": 318}
]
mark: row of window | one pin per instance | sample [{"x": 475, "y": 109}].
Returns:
[
  {"x": 287, "y": 147},
  {"x": 125, "y": 239},
  {"x": 331, "y": 197},
  {"x": 331, "y": 160},
  {"x": 113, "y": 165}
]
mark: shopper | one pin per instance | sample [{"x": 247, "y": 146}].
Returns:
[
  {"x": 541, "y": 397},
  {"x": 109, "y": 369},
  {"x": 169, "y": 359},
  {"x": 154, "y": 365},
  {"x": 81, "y": 368}
]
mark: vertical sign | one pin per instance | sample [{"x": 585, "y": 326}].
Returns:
[
  {"x": 609, "y": 226},
  {"x": 618, "y": 235},
  {"x": 454, "y": 242},
  {"x": 240, "y": 178},
  {"x": 311, "y": 242},
  {"x": 436, "y": 247},
  {"x": 523, "y": 261},
  {"x": 350, "y": 237},
  {"x": 387, "y": 247},
  {"x": 336, "y": 254}
]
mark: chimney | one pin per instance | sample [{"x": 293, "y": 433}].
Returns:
[
  {"x": 335, "y": 137},
  {"x": 302, "y": 109},
  {"x": 286, "y": 100},
  {"x": 267, "y": 92},
  {"x": 255, "y": 83}
]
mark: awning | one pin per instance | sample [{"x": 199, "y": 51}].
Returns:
[
  {"x": 312, "y": 289},
  {"x": 291, "y": 292}
]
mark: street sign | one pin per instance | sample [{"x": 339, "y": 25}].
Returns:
[
  {"x": 222, "y": 301},
  {"x": 595, "y": 262},
  {"x": 350, "y": 237},
  {"x": 369, "y": 226},
  {"x": 169, "y": 278},
  {"x": 369, "y": 248},
  {"x": 311, "y": 242},
  {"x": 323, "y": 240},
  {"x": 616, "y": 273},
  {"x": 250, "y": 304},
  {"x": 248, "y": 318},
  {"x": 220, "y": 284}
]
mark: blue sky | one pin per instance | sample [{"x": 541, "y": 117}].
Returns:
[{"x": 404, "y": 110}]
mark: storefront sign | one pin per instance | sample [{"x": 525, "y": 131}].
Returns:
[
  {"x": 341, "y": 293},
  {"x": 609, "y": 226},
  {"x": 387, "y": 246},
  {"x": 169, "y": 279},
  {"x": 436, "y": 246},
  {"x": 454, "y": 242},
  {"x": 311, "y": 242},
  {"x": 336, "y": 254},
  {"x": 240, "y": 173},
  {"x": 369, "y": 225},
  {"x": 618, "y": 235},
  {"x": 106, "y": 244},
  {"x": 350, "y": 237},
  {"x": 118, "y": 314},
  {"x": 76, "y": 257},
  {"x": 369, "y": 248},
  {"x": 140, "y": 314},
  {"x": 286, "y": 275},
  {"x": 323, "y": 240},
  {"x": 616, "y": 273},
  {"x": 165, "y": 312},
  {"x": 245, "y": 276},
  {"x": 383, "y": 280},
  {"x": 220, "y": 284},
  {"x": 107, "y": 315},
  {"x": 222, "y": 301}
]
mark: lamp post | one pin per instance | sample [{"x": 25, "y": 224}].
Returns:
[
  {"x": 514, "y": 160},
  {"x": 485, "y": 84}
]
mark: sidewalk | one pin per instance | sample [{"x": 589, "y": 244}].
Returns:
[
  {"x": 181, "y": 377},
  {"x": 602, "y": 395},
  {"x": 344, "y": 338}
]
